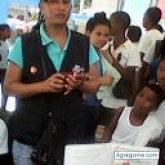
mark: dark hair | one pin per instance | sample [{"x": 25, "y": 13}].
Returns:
[
  {"x": 158, "y": 91},
  {"x": 134, "y": 33},
  {"x": 160, "y": 28},
  {"x": 41, "y": 19},
  {"x": 98, "y": 19},
  {"x": 122, "y": 17},
  {"x": 154, "y": 14},
  {"x": 4, "y": 26}
]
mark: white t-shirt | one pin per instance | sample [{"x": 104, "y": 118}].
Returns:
[
  {"x": 149, "y": 39},
  {"x": 151, "y": 50},
  {"x": 129, "y": 57},
  {"x": 127, "y": 133},
  {"x": 107, "y": 69},
  {"x": 3, "y": 138},
  {"x": 160, "y": 114},
  {"x": 129, "y": 54}
]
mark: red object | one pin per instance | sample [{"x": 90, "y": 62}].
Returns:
[
  {"x": 126, "y": 163},
  {"x": 161, "y": 5},
  {"x": 80, "y": 76}
]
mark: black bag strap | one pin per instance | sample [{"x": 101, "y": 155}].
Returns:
[{"x": 5, "y": 115}]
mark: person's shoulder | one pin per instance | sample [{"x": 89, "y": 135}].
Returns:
[
  {"x": 155, "y": 34},
  {"x": 30, "y": 35},
  {"x": 128, "y": 44},
  {"x": 79, "y": 35},
  {"x": 154, "y": 120},
  {"x": 120, "y": 110},
  {"x": 161, "y": 107},
  {"x": 154, "y": 31}
]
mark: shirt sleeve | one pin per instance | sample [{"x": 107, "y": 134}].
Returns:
[
  {"x": 145, "y": 43},
  {"x": 93, "y": 55},
  {"x": 15, "y": 55}
]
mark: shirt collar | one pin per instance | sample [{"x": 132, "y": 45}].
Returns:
[
  {"x": 125, "y": 44},
  {"x": 45, "y": 39}
]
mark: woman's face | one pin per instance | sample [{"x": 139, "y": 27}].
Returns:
[
  {"x": 99, "y": 36},
  {"x": 56, "y": 12}
]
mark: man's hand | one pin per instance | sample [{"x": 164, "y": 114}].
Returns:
[
  {"x": 72, "y": 83},
  {"x": 55, "y": 83}
]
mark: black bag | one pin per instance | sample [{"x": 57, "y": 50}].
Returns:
[
  {"x": 60, "y": 132},
  {"x": 123, "y": 89},
  {"x": 46, "y": 151}
]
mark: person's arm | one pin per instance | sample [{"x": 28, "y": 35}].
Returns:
[
  {"x": 95, "y": 81},
  {"x": 110, "y": 128},
  {"x": 115, "y": 63},
  {"x": 143, "y": 74},
  {"x": 87, "y": 86},
  {"x": 14, "y": 86},
  {"x": 93, "y": 85}
]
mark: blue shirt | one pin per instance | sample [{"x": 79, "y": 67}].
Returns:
[{"x": 55, "y": 52}]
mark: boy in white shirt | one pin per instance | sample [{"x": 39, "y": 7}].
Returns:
[
  {"x": 136, "y": 125},
  {"x": 150, "y": 22},
  {"x": 121, "y": 55},
  {"x": 134, "y": 34},
  {"x": 151, "y": 19}
]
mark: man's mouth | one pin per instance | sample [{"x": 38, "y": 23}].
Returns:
[{"x": 60, "y": 15}]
